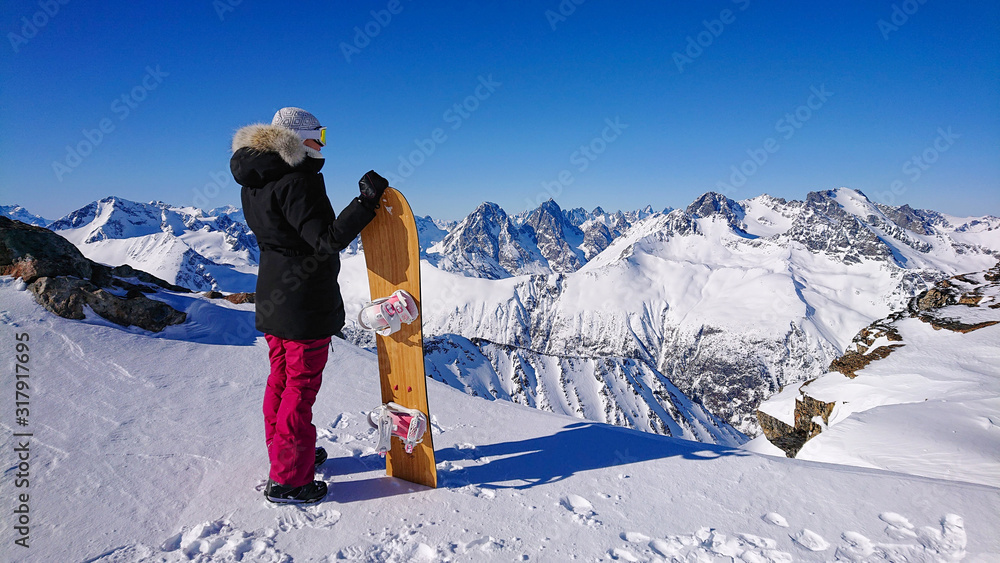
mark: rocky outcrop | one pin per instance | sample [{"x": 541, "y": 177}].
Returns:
[
  {"x": 936, "y": 305},
  {"x": 64, "y": 281},
  {"x": 66, "y": 297},
  {"x": 963, "y": 303},
  {"x": 30, "y": 252},
  {"x": 810, "y": 417},
  {"x": 234, "y": 298},
  {"x": 861, "y": 352}
]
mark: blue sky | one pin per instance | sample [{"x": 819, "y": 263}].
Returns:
[{"x": 600, "y": 103}]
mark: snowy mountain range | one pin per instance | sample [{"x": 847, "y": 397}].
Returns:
[
  {"x": 490, "y": 244},
  {"x": 677, "y": 322},
  {"x": 725, "y": 301},
  {"x": 148, "y": 447},
  {"x": 186, "y": 246},
  {"x": 19, "y": 213}
]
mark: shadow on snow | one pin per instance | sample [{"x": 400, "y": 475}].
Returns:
[{"x": 577, "y": 448}]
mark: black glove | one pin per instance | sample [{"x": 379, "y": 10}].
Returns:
[{"x": 372, "y": 186}]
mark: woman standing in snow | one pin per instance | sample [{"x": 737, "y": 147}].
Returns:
[{"x": 298, "y": 301}]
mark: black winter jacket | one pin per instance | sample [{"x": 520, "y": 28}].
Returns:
[{"x": 285, "y": 204}]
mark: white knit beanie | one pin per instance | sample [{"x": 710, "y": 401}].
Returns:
[{"x": 296, "y": 119}]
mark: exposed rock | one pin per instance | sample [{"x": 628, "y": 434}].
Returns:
[
  {"x": 63, "y": 280},
  {"x": 807, "y": 409},
  {"x": 788, "y": 438},
  {"x": 970, "y": 299},
  {"x": 234, "y": 298},
  {"x": 955, "y": 325},
  {"x": 932, "y": 306},
  {"x": 66, "y": 296},
  {"x": 240, "y": 298},
  {"x": 126, "y": 272},
  {"x": 993, "y": 275},
  {"x": 849, "y": 364},
  {"x": 960, "y": 304},
  {"x": 553, "y": 231},
  {"x": 30, "y": 252},
  {"x": 935, "y": 297},
  {"x": 713, "y": 204},
  {"x": 858, "y": 355},
  {"x": 62, "y": 295}
]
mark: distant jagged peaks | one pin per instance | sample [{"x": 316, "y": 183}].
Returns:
[
  {"x": 843, "y": 223},
  {"x": 489, "y": 243},
  {"x": 21, "y": 214},
  {"x": 184, "y": 245}
]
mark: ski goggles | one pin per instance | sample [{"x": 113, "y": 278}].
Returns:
[{"x": 318, "y": 135}]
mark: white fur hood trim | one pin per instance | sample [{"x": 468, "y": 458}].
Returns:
[{"x": 261, "y": 137}]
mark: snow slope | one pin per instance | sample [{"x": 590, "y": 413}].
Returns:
[
  {"x": 935, "y": 396},
  {"x": 150, "y": 448}
]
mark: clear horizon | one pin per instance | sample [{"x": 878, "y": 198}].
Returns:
[
  {"x": 472, "y": 210},
  {"x": 590, "y": 103}
]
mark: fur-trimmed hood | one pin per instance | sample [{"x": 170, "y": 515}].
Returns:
[
  {"x": 260, "y": 137},
  {"x": 265, "y": 153}
]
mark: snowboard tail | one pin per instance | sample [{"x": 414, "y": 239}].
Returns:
[{"x": 392, "y": 254}]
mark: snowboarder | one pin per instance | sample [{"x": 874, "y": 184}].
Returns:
[{"x": 298, "y": 301}]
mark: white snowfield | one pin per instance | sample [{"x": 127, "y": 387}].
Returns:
[
  {"x": 931, "y": 408},
  {"x": 150, "y": 448}
]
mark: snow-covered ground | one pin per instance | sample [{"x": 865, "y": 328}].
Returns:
[
  {"x": 931, "y": 407},
  {"x": 150, "y": 448}
]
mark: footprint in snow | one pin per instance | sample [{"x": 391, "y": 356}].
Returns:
[
  {"x": 219, "y": 541},
  {"x": 342, "y": 420},
  {"x": 295, "y": 517},
  {"x": 436, "y": 426},
  {"x": 472, "y": 490},
  {"x": 489, "y": 544},
  {"x": 577, "y": 504},
  {"x": 776, "y": 519},
  {"x": 810, "y": 540},
  {"x": 759, "y": 542},
  {"x": 448, "y": 466},
  {"x": 946, "y": 542},
  {"x": 635, "y": 537},
  {"x": 709, "y": 544},
  {"x": 899, "y": 528},
  {"x": 581, "y": 508},
  {"x": 857, "y": 547},
  {"x": 622, "y": 554}
]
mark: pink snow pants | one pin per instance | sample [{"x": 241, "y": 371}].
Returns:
[{"x": 296, "y": 374}]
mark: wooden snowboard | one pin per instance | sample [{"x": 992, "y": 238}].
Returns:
[{"x": 392, "y": 254}]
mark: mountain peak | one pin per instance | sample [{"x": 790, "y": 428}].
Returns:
[
  {"x": 714, "y": 203},
  {"x": 21, "y": 214}
]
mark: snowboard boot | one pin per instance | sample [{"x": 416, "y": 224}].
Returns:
[
  {"x": 320, "y": 456},
  {"x": 280, "y": 494}
]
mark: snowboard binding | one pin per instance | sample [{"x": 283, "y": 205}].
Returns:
[
  {"x": 386, "y": 315},
  {"x": 391, "y": 420}
]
